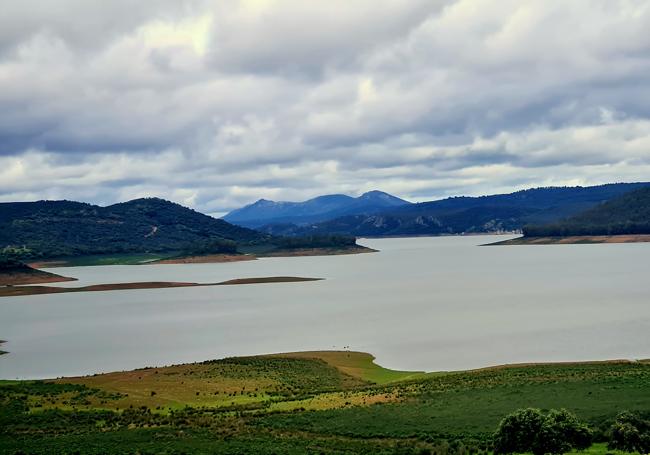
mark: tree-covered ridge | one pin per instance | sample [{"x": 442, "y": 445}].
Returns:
[
  {"x": 46, "y": 229},
  {"x": 624, "y": 215},
  {"x": 459, "y": 215},
  {"x": 65, "y": 229}
]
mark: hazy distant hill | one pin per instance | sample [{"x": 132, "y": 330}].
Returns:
[
  {"x": 264, "y": 212},
  {"x": 503, "y": 212},
  {"x": 626, "y": 214},
  {"x": 66, "y": 228}
]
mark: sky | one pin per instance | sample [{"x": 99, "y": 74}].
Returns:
[{"x": 215, "y": 104}]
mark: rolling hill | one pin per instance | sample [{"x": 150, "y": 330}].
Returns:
[
  {"x": 264, "y": 212},
  {"x": 458, "y": 215},
  {"x": 46, "y": 229},
  {"x": 623, "y": 215}
]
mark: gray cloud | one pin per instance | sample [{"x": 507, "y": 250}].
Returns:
[{"x": 216, "y": 103}]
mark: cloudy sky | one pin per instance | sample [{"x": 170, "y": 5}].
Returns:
[{"x": 215, "y": 104}]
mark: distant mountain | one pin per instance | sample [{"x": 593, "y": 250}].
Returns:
[
  {"x": 65, "y": 228},
  {"x": 626, "y": 214},
  {"x": 457, "y": 215},
  {"x": 264, "y": 212}
]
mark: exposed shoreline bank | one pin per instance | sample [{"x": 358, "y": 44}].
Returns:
[
  {"x": 207, "y": 259},
  {"x": 37, "y": 277},
  {"x": 575, "y": 240},
  {"x": 18, "y": 291},
  {"x": 302, "y": 252},
  {"x": 200, "y": 259}
]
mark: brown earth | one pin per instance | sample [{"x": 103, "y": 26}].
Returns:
[
  {"x": 31, "y": 277},
  {"x": 575, "y": 240},
  {"x": 16, "y": 291},
  {"x": 207, "y": 259},
  {"x": 317, "y": 252},
  {"x": 47, "y": 264}
]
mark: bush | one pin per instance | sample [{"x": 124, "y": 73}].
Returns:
[
  {"x": 517, "y": 431},
  {"x": 560, "y": 432},
  {"x": 630, "y": 433},
  {"x": 529, "y": 430}
]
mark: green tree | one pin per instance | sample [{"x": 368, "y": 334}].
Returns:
[
  {"x": 529, "y": 430},
  {"x": 630, "y": 433},
  {"x": 560, "y": 432},
  {"x": 517, "y": 431}
]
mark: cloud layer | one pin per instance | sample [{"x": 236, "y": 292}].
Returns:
[{"x": 214, "y": 104}]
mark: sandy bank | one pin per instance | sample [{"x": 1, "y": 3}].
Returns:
[
  {"x": 16, "y": 291},
  {"x": 317, "y": 252},
  {"x": 207, "y": 259},
  {"x": 576, "y": 240}
]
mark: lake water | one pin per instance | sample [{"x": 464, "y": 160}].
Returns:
[{"x": 420, "y": 304}]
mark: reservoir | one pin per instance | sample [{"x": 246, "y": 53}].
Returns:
[{"x": 427, "y": 303}]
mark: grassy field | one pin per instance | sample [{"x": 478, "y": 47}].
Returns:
[{"x": 309, "y": 402}]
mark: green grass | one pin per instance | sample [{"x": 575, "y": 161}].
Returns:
[
  {"x": 200, "y": 441},
  {"x": 471, "y": 404},
  {"x": 314, "y": 402},
  {"x": 598, "y": 448},
  {"x": 357, "y": 364}
]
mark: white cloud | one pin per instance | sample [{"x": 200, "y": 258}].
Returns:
[{"x": 217, "y": 103}]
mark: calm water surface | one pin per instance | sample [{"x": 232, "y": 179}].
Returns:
[{"x": 419, "y": 304}]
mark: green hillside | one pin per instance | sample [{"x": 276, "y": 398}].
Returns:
[
  {"x": 46, "y": 229},
  {"x": 628, "y": 214}
]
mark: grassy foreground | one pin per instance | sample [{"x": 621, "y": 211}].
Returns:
[{"x": 311, "y": 402}]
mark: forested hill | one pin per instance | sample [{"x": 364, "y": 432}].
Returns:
[
  {"x": 626, "y": 214},
  {"x": 457, "y": 215},
  {"x": 46, "y": 229}
]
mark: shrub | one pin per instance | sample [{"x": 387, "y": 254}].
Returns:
[
  {"x": 517, "y": 431},
  {"x": 560, "y": 432},
  {"x": 529, "y": 430},
  {"x": 630, "y": 433}
]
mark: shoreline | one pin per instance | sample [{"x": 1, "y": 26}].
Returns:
[
  {"x": 574, "y": 240},
  {"x": 36, "y": 277},
  {"x": 304, "y": 252},
  {"x": 20, "y": 291},
  {"x": 416, "y": 236},
  {"x": 207, "y": 259},
  {"x": 203, "y": 259}
]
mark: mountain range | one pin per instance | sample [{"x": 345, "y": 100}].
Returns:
[
  {"x": 456, "y": 215},
  {"x": 52, "y": 229},
  {"x": 322, "y": 208}
]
